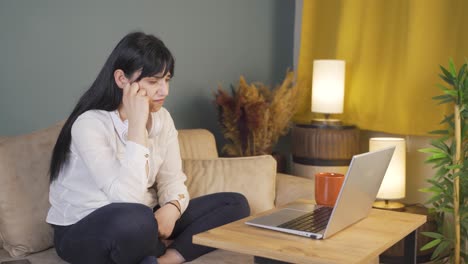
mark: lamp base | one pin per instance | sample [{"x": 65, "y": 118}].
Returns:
[
  {"x": 326, "y": 122},
  {"x": 389, "y": 205}
]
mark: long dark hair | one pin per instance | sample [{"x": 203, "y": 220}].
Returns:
[{"x": 136, "y": 51}]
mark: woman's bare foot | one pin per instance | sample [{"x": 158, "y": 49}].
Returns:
[{"x": 171, "y": 256}]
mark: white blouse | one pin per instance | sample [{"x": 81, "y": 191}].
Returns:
[{"x": 103, "y": 167}]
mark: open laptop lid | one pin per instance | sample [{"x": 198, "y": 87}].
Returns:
[{"x": 360, "y": 187}]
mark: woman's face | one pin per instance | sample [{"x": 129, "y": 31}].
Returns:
[{"x": 157, "y": 88}]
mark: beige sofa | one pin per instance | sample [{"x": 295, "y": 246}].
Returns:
[{"x": 24, "y": 189}]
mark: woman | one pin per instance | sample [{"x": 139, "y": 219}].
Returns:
[{"x": 117, "y": 189}]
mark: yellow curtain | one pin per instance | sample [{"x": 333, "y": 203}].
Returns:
[{"x": 392, "y": 50}]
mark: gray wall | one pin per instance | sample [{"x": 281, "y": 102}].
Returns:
[{"x": 51, "y": 51}]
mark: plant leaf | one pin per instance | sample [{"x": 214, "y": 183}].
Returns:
[
  {"x": 440, "y": 145},
  {"x": 431, "y": 189},
  {"x": 450, "y": 74},
  {"x": 443, "y": 96},
  {"x": 440, "y": 248},
  {"x": 435, "y": 198},
  {"x": 453, "y": 72},
  {"x": 447, "y": 80},
  {"x": 462, "y": 72},
  {"x": 447, "y": 119},
  {"x": 453, "y": 167},
  {"x": 446, "y": 101},
  {"x": 453, "y": 93},
  {"x": 431, "y": 244},
  {"x": 447, "y": 210},
  {"x": 430, "y": 150},
  {"x": 441, "y": 172},
  {"x": 439, "y": 155},
  {"x": 439, "y": 132},
  {"x": 433, "y": 235},
  {"x": 443, "y": 88}
]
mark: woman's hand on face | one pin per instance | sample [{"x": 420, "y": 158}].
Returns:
[
  {"x": 166, "y": 217},
  {"x": 136, "y": 104}
]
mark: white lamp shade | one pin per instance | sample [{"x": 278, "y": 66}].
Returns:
[
  {"x": 394, "y": 182},
  {"x": 328, "y": 79}
]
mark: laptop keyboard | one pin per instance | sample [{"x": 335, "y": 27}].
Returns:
[{"x": 313, "y": 222}]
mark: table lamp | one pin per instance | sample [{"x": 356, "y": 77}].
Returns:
[
  {"x": 325, "y": 144},
  {"x": 393, "y": 185},
  {"x": 328, "y": 80}
]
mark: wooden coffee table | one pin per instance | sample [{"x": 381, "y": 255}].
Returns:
[{"x": 359, "y": 243}]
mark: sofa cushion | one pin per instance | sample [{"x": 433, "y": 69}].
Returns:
[
  {"x": 44, "y": 257},
  {"x": 3, "y": 138},
  {"x": 290, "y": 188},
  {"x": 254, "y": 177},
  {"x": 24, "y": 191},
  {"x": 197, "y": 144}
]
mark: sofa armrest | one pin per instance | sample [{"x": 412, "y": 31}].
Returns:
[{"x": 290, "y": 188}]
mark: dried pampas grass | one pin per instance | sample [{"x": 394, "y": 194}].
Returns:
[{"x": 253, "y": 117}]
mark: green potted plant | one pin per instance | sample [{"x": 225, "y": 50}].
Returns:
[
  {"x": 253, "y": 117},
  {"x": 449, "y": 185}
]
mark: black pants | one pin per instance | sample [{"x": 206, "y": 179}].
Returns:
[{"x": 128, "y": 232}]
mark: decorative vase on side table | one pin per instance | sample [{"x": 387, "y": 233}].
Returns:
[{"x": 323, "y": 148}]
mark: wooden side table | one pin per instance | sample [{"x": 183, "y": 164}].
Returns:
[{"x": 318, "y": 148}]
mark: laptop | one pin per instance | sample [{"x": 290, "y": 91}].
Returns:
[{"x": 354, "y": 202}]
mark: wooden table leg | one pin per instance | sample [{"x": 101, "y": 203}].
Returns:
[{"x": 410, "y": 248}]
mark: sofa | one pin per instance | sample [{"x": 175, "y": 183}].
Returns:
[{"x": 24, "y": 184}]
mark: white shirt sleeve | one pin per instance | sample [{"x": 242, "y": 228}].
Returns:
[
  {"x": 123, "y": 180},
  {"x": 170, "y": 180}
]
